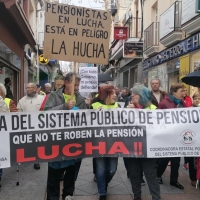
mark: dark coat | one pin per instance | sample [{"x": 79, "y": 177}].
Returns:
[
  {"x": 154, "y": 100},
  {"x": 168, "y": 103},
  {"x": 128, "y": 99},
  {"x": 56, "y": 101},
  {"x": 9, "y": 92}
]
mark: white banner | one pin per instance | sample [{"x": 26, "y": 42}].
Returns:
[
  {"x": 89, "y": 79},
  {"x": 188, "y": 10},
  {"x": 58, "y": 135},
  {"x": 167, "y": 21}
]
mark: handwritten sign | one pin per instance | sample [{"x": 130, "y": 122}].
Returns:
[
  {"x": 89, "y": 79},
  {"x": 76, "y": 33}
]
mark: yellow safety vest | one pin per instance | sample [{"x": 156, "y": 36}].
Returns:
[
  {"x": 98, "y": 104},
  {"x": 151, "y": 107},
  {"x": 7, "y": 101}
]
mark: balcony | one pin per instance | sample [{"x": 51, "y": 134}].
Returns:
[
  {"x": 151, "y": 39},
  {"x": 190, "y": 18},
  {"x": 192, "y": 26},
  {"x": 170, "y": 25},
  {"x": 113, "y": 7}
]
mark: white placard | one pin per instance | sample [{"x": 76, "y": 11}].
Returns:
[
  {"x": 89, "y": 79},
  {"x": 188, "y": 10},
  {"x": 167, "y": 21}
]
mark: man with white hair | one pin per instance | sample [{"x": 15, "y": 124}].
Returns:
[
  {"x": 9, "y": 102},
  {"x": 31, "y": 102},
  {"x": 47, "y": 88}
]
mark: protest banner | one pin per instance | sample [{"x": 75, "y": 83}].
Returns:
[
  {"x": 89, "y": 79},
  {"x": 58, "y": 135},
  {"x": 76, "y": 33}
]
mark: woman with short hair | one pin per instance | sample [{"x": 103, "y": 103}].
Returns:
[
  {"x": 141, "y": 98},
  {"x": 105, "y": 167},
  {"x": 173, "y": 100}
]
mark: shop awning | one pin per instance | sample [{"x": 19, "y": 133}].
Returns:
[{"x": 13, "y": 16}]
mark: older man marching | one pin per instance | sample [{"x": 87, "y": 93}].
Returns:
[
  {"x": 31, "y": 102},
  {"x": 62, "y": 100}
]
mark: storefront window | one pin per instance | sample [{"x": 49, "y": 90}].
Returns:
[
  {"x": 163, "y": 76},
  {"x": 194, "y": 66},
  {"x": 152, "y": 73},
  {"x": 173, "y": 72}
]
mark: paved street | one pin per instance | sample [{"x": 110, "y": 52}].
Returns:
[{"x": 33, "y": 185}]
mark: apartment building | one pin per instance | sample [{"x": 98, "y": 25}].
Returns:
[
  {"x": 171, "y": 41},
  {"x": 125, "y": 70}
]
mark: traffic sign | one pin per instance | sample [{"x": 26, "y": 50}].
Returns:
[{"x": 42, "y": 60}]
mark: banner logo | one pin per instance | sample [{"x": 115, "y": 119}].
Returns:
[{"x": 188, "y": 137}]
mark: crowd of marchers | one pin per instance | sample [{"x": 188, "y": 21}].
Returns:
[{"x": 108, "y": 97}]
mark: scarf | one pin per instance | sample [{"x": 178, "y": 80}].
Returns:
[{"x": 176, "y": 101}]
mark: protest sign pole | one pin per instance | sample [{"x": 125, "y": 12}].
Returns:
[{"x": 73, "y": 79}]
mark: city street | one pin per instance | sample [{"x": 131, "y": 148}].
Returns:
[{"x": 33, "y": 185}]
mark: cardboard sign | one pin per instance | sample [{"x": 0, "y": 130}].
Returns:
[
  {"x": 89, "y": 79},
  {"x": 76, "y": 34}
]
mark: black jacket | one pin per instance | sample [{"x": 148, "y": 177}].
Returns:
[{"x": 9, "y": 92}]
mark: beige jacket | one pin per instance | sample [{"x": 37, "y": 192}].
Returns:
[
  {"x": 27, "y": 104},
  {"x": 3, "y": 106}
]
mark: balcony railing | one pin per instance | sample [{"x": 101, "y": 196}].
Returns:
[
  {"x": 41, "y": 39},
  {"x": 151, "y": 35}
]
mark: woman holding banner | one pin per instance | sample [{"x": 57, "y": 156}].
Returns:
[
  {"x": 173, "y": 100},
  {"x": 141, "y": 98},
  {"x": 105, "y": 167}
]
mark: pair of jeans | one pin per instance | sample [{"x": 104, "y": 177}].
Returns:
[
  {"x": 53, "y": 181},
  {"x": 175, "y": 164},
  {"x": 105, "y": 170},
  {"x": 148, "y": 165}
]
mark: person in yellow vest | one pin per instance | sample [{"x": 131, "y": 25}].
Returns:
[
  {"x": 141, "y": 98},
  {"x": 9, "y": 102},
  {"x": 104, "y": 167}
]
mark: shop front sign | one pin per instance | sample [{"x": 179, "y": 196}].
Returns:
[{"x": 188, "y": 45}]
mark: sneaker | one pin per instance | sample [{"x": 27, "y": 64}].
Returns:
[
  {"x": 68, "y": 198},
  {"x": 186, "y": 167},
  {"x": 160, "y": 180},
  {"x": 142, "y": 182}
]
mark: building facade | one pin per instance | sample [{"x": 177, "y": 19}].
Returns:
[
  {"x": 171, "y": 41},
  {"x": 125, "y": 70}
]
